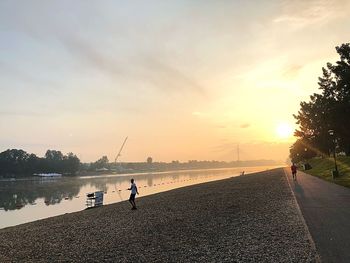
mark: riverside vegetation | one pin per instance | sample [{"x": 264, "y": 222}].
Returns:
[
  {"x": 18, "y": 163},
  {"x": 324, "y": 126},
  {"x": 322, "y": 168}
]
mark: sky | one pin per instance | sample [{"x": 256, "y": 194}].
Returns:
[{"x": 183, "y": 80}]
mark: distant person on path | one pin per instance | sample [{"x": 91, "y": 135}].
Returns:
[
  {"x": 294, "y": 171},
  {"x": 134, "y": 191}
]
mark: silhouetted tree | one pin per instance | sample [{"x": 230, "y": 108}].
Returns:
[
  {"x": 53, "y": 161},
  {"x": 329, "y": 110},
  {"x": 103, "y": 162},
  {"x": 302, "y": 149},
  {"x": 13, "y": 161},
  {"x": 71, "y": 163},
  {"x": 20, "y": 163}
]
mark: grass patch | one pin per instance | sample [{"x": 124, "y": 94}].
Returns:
[{"x": 322, "y": 168}]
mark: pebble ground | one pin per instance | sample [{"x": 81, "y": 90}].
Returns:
[{"x": 251, "y": 218}]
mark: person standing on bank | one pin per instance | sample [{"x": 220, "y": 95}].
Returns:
[
  {"x": 294, "y": 171},
  {"x": 133, "y": 189}
]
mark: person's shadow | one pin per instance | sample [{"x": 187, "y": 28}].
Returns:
[{"x": 298, "y": 188}]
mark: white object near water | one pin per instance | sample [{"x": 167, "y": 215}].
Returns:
[
  {"x": 49, "y": 175},
  {"x": 98, "y": 198},
  {"x": 94, "y": 199}
]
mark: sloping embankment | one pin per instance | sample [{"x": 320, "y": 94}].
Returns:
[{"x": 251, "y": 218}]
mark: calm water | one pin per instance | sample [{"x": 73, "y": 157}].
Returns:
[{"x": 36, "y": 198}]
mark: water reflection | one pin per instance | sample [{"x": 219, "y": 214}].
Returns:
[
  {"x": 18, "y": 194},
  {"x": 35, "y": 198},
  {"x": 150, "y": 181}
]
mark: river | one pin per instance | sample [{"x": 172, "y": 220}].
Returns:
[{"x": 33, "y": 198}]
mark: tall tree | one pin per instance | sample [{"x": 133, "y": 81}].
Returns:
[
  {"x": 71, "y": 163},
  {"x": 103, "y": 162},
  {"x": 329, "y": 110},
  {"x": 302, "y": 149},
  {"x": 13, "y": 162}
]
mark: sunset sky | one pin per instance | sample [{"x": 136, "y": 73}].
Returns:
[{"x": 182, "y": 79}]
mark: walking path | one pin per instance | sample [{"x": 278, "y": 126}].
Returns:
[{"x": 326, "y": 210}]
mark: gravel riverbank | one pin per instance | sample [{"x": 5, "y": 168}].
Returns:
[{"x": 251, "y": 218}]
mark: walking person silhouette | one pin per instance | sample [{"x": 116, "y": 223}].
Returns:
[
  {"x": 294, "y": 171},
  {"x": 134, "y": 191}
]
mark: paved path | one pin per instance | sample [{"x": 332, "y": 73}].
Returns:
[{"x": 326, "y": 210}]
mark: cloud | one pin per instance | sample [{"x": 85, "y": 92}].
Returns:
[
  {"x": 83, "y": 51},
  {"x": 140, "y": 66},
  {"x": 245, "y": 125},
  {"x": 35, "y": 82},
  {"x": 299, "y": 14},
  {"x": 292, "y": 71},
  {"x": 166, "y": 76},
  {"x": 21, "y": 114}
]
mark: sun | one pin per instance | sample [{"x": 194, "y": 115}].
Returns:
[{"x": 284, "y": 130}]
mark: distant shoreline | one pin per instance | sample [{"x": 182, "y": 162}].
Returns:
[
  {"x": 181, "y": 170},
  {"x": 108, "y": 174}
]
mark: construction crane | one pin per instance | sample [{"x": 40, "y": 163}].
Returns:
[{"x": 120, "y": 151}]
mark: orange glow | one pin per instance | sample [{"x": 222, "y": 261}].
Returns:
[{"x": 284, "y": 130}]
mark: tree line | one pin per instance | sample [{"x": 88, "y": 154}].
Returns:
[
  {"x": 103, "y": 165},
  {"x": 324, "y": 126},
  {"x": 18, "y": 163}
]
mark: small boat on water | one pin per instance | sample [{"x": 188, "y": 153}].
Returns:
[{"x": 49, "y": 175}]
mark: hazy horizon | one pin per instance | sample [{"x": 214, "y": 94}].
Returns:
[{"x": 183, "y": 80}]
